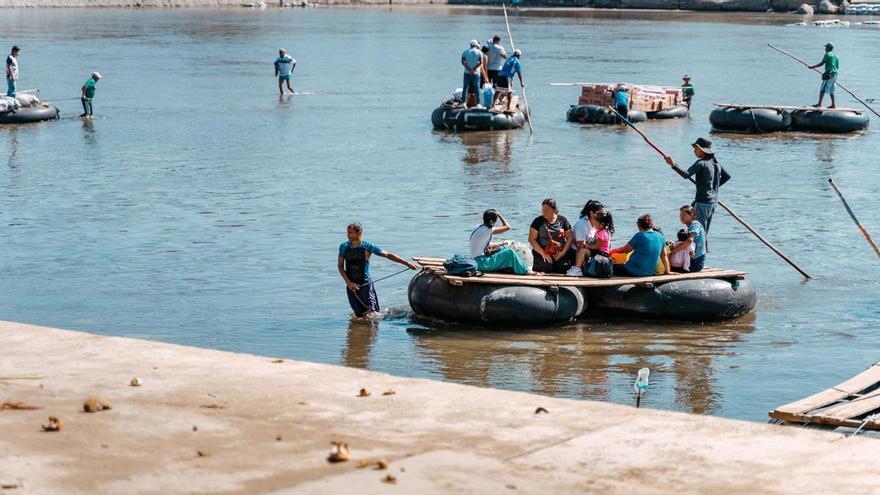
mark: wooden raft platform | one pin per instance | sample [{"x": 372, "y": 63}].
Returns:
[
  {"x": 784, "y": 107},
  {"x": 436, "y": 265},
  {"x": 847, "y": 404}
]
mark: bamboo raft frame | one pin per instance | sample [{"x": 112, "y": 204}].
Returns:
[
  {"x": 847, "y": 404},
  {"x": 435, "y": 265},
  {"x": 784, "y": 107}
]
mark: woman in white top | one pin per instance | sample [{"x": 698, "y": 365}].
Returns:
[{"x": 493, "y": 257}]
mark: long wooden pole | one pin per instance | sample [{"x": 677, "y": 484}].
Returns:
[
  {"x": 853, "y": 216},
  {"x": 780, "y": 50},
  {"x": 525, "y": 100},
  {"x": 720, "y": 203}
]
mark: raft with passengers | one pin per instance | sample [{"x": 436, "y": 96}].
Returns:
[
  {"x": 638, "y": 103},
  {"x": 486, "y": 101}
]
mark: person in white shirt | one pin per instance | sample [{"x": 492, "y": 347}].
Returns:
[
  {"x": 284, "y": 65},
  {"x": 472, "y": 61},
  {"x": 497, "y": 55},
  {"x": 584, "y": 231},
  {"x": 12, "y": 71},
  {"x": 493, "y": 257}
]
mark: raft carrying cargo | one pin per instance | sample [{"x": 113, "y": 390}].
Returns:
[
  {"x": 515, "y": 300},
  {"x": 775, "y": 118},
  {"x": 645, "y": 102},
  {"x": 453, "y": 116},
  {"x": 849, "y": 406},
  {"x": 27, "y": 115}
]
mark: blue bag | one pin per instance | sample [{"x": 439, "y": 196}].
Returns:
[
  {"x": 599, "y": 266},
  {"x": 460, "y": 265}
]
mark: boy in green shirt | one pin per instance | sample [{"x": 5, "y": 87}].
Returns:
[
  {"x": 829, "y": 77},
  {"x": 88, "y": 92},
  {"x": 687, "y": 90}
]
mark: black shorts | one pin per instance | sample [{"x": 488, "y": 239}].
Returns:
[
  {"x": 623, "y": 110},
  {"x": 493, "y": 75},
  {"x": 502, "y": 82}
]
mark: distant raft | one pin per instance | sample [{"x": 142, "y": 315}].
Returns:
[
  {"x": 455, "y": 117},
  {"x": 766, "y": 119},
  {"x": 498, "y": 299},
  {"x": 595, "y": 114},
  {"x": 27, "y": 115}
]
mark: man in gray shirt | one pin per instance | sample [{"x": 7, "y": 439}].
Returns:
[
  {"x": 709, "y": 176},
  {"x": 497, "y": 55}
]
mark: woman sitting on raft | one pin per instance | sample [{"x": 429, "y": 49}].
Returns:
[
  {"x": 647, "y": 251},
  {"x": 551, "y": 238},
  {"x": 494, "y": 257},
  {"x": 584, "y": 232}
]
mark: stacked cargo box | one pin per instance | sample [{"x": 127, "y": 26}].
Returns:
[{"x": 644, "y": 98}]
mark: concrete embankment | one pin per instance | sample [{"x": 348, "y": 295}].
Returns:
[{"x": 205, "y": 421}]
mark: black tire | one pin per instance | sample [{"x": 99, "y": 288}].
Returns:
[
  {"x": 29, "y": 115},
  {"x": 460, "y": 119},
  {"x": 677, "y": 112},
  {"x": 824, "y": 120},
  {"x": 750, "y": 119},
  {"x": 595, "y": 114}
]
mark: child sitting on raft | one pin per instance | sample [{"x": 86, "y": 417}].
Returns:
[
  {"x": 493, "y": 257},
  {"x": 680, "y": 260}
]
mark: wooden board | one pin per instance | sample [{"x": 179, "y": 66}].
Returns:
[
  {"x": 843, "y": 405},
  {"x": 784, "y": 107},
  {"x": 436, "y": 265}
]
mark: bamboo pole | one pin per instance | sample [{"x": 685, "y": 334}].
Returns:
[
  {"x": 720, "y": 203},
  {"x": 853, "y": 216},
  {"x": 525, "y": 100}
]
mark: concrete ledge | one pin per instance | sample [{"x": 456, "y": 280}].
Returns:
[{"x": 438, "y": 437}]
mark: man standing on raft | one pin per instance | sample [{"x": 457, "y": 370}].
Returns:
[
  {"x": 829, "y": 77},
  {"x": 709, "y": 176},
  {"x": 354, "y": 267},
  {"x": 12, "y": 71}
]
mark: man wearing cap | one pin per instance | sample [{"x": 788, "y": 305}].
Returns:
[
  {"x": 284, "y": 65},
  {"x": 621, "y": 100},
  {"x": 472, "y": 61},
  {"x": 687, "y": 90},
  {"x": 829, "y": 77},
  {"x": 88, "y": 93},
  {"x": 12, "y": 71},
  {"x": 708, "y": 176},
  {"x": 497, "y": 56},
  {"x": 510, "y": 68}
]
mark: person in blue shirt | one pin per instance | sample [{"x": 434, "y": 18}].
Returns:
[
  {"x": 621, "y": 100},
  {"x": 284, "y": 66},
  {"x": 511, "y": 67},
  {"x": 472, "y": 61},
  {"x": 696, "y": 236},
  {"x": 646, "y": 248},
  {"x": 354, "y": 267}
]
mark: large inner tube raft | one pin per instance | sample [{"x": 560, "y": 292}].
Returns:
[
  {"x": 460, "y": 119},
  {"x": 750, "y": 119},
  {"x": 26, "y": 115},
  {"x": 677, "y": 112},
  {"x": 698, "y": 299},
  {"x": 824, "y": 120},
  {"x": 491, "y": 304},
  {"x": 595, "y": 114}
]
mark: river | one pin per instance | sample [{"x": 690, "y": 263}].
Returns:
[{"x": 199, "y": 208}]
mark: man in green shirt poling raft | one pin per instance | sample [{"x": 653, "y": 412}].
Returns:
[
  {"x": 687, "y": 90},
  {"x": 88, "y": 93},
  {"x": 829, "y": 77}
]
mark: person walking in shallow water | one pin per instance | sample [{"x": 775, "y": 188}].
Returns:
[
  {"x": 284, "y": 66},
  {"x": 354, "y": 267},
  {"x": 829, "y": 76},
  {"x": 88, "y": 94}
]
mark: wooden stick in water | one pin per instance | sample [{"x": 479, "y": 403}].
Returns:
[
  {"x": 780, "y": 50},
  {"x": 853, "y": 216},
  {"x": 525, "y": 100},
  {"x": 721, "y": 204}
]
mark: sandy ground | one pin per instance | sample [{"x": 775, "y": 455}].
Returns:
[{"x": 265, "y": 426}]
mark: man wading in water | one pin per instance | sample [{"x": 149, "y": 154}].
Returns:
[
  {"x": 354, "y": 266},
  {"x": 709, "y": 176},
  {"x": 829, "y": 77},
  {"x": 284, "y": 65}
]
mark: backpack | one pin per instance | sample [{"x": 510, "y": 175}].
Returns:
[
  {"x": 600, "y": 266},
  {"x": 460, "y": 265}
]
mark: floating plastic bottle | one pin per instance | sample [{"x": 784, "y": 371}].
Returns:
[{"x": 641, "y": 384}]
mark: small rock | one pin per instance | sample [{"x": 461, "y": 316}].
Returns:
[
  {"x": 364, "y": 393},
  {"x": 510, "y": 487},
  {"x": 827, "y": 7},
  {"x": 541, "y": 410},
  {"x": 389, "y": 479},
  {"x": 136, "y": 382},
  {"x": 277, "y": 361},
  {"x": 363, "y": 463},
  {"x": 212, "y": 406},
  {"x": 55, "y": 424},
  {"x": 381, "y": 464},
  {"x": 195, "y": 428},
  {"x": 805, "y": 9},
  {"x": 278, "y": 438},
  {"x": 21, "y": 406},
  {"x": 8, "y": 486},
  {"x": 203, "y": 453},
  {"x": 389, "y": 392},
  {"x": 95, "y": 404},
  {"x": 339, "y": 453}
]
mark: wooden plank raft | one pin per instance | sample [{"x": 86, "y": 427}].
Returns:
[
  {"x": 847, "y": 404},
  {"x": 784, "y": 107},
  {"x": 436, "y": 265}
]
